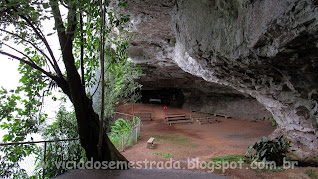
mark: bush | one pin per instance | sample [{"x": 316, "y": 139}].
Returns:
[
  {"x": 123, "y": 127},
  {"x": 269, "y": 150},
  {"x": 65, "y": 127},
  {"x": 274, "y": 123},
  {"x": 311, "y": 173}
]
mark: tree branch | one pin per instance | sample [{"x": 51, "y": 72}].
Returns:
[
  {"x": 33, "y": 65},
  {"x": 31, "y": 43},
  {"x": 73, "y": 78},
  {"x": 23, "y": 54},
  {"x": 72, "y": 22},
  {"x": 59, "y": 23},
  {"x": 61, "y": 82},
  {"x": 99, "y": 81},
  {"x": 55, "y": 66},
  {"x": 19, "y": 52},
  {"x": 82, "y": 49},
  {"x": 39, "y": 33},
  {"x": 102, "y": 61}
]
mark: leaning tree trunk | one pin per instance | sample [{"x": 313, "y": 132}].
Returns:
[
  {"x": 87, "y": 119},
  {"x": 89, "y": 135}
]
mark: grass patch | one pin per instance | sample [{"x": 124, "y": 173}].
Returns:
[
  {"x": 247, "y": 163},
  {"x": 312, "y": 174},
  {"x": 194, "y": 145},
  {"x": 156, "y": 139},
  {"x": 176, "y": 140},
  {"x": 231, "y": 158},
  {"x": 164, "y": 155},
  {"x": 171, "y": 138}
]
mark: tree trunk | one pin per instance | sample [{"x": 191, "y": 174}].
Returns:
[
  {"x": 89, "y": 135},
  {"x": 89, "y": 124},
  {"x": 87, "y": 120}
]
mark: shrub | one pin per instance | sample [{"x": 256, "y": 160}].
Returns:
[
  {"x": 123, "y": 127},
  {"x": 274, "y": 123},
  {"x": 311, "y": 173},
  {"x": 269, "y": 150},
  {"x": 65, "y": 127}
]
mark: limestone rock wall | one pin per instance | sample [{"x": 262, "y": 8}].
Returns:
[
  {"x": 154, "y": 49},
  {"x": 239, "y": 51},
  {"x": 267, "y": 49},
  {"x": 237, "y": 107}
]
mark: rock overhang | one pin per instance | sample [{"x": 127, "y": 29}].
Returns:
[{"x": 261, "y": 49}]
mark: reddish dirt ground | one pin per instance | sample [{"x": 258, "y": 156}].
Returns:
[{"x": 189, "y": 141}]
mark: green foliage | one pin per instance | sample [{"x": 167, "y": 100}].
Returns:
[
  {"x": 121, "y": 125},
  {"x": 21, "y": 24},
  {"x": 9, "y": 167},
  {"x": 164, "y": 155},
  {"x": 117, "y": 38},
  {"x": 274, "y": 123},
  {"x": 172, "y": 138},
  {"x": 124, "y": 128},
  {"x": 119, "y": 77},
  {"x": 20, "y": 115},
  {"x": 119, "y": 71},
  {"x": 230, "y": 158},
  {"x": 27, "y": 108},
  {"x": 311, "y": 173},
  {"x": 65, "y": 127},
  {"x": 269, "y": 150}
]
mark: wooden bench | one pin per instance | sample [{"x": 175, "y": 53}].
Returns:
[
  {"x": 221, "y": 115},
  {"x": 150, "y": 144},
  {"x": 144, "y": 115},
  {"x": 196, "y": 117},
  {"x": 209, "y": 120},
  {"x": 214, "y": 114},
  {"x": 177, "y": 118},
  {"x": 202, "y": 119},
  {"x": 154, "y": 100}
]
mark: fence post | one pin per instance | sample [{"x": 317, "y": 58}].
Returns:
[
  {"x": 44, "y": 160},
  {"x": 136, "y": 128},
  {"x": 123, "y": 143}
]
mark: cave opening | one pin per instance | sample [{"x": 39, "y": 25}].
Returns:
[{"x": 163, "y": 96}]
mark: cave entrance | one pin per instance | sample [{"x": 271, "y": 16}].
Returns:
[
  {"x": 229, "y": 136},
  {"x": 163, "y": 96}
]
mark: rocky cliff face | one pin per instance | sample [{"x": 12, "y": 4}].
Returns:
[
  {"x": 154, "y": 49},
  {"x": 267, "y": 49},
  {"x": 226, "y": 54}
]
